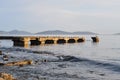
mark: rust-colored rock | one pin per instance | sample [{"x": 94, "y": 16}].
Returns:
[
  {"x": 1, "y": 79},
  {"x": 5, "y": 76},
  {"x": 19, "y": 63}
]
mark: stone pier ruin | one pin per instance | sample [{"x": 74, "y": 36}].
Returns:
[{"x": 38, "y": 40}]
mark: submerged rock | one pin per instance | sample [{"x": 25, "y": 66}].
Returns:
[{"x": 69, "y": 58}]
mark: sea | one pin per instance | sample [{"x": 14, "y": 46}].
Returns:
[
  {"x": 107, "y": 49},
  {"x": 105, "y": 53}
]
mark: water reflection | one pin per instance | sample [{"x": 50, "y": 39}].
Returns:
[{"x": 95, "y": 43}]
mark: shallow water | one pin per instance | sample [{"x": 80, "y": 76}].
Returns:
[{"x": 108, "y": 49}]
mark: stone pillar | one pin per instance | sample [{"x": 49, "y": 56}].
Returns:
[
  {"x": 66, "y": 39},
  {"x": 55, "y": 41},
  {"x": 42, "y": 42},
  {"x": 23, "y": 42},
  {"x": 26, "y": 42},
  {"x": 76, "y": 40}
]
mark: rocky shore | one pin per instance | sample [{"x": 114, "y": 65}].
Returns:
[
  {"x": 26, "y": 64},
  {"x": 5, "y": 76}
]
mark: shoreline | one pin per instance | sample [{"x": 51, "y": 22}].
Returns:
[{"x": 50, "y": 66}]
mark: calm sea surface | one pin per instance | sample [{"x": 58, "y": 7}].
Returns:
[{"x": 107, "y": 50}]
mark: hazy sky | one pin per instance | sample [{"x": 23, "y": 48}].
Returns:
[{"x": 101, "y": 16}]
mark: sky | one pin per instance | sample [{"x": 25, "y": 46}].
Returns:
[{"x": 100, "y": 16}]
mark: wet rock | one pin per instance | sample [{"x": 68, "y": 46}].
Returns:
[
  {"x": 102, "y": 74},
  {"x": 19, "y": 63},
  {"x": 71, "y": 58},
  {"x": 44, "y": 60},
  {"x": 62, "y": 65},
  {"x": 1, "y": 79},
  {"x": 5, "y": 76},
  {"x": 5, "y": 57},
  {"x": 91, "y": 71}
]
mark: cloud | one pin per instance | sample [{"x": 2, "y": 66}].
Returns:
[
  {"x": 95, "y": 2},
  {"x": 71, "y": 14},
  {"x": 64, "y": 14},
  {"x": 49, "y": 12}
]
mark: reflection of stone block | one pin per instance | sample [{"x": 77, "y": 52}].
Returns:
[{"x": 1, "y": 79}]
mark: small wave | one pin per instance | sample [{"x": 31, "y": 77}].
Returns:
[
  {"x": 111, "y": 66},
  {"x": 25, "y": 50},
  {"x": 63, "y": 58}
]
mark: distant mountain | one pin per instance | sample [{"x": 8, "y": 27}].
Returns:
[
  {"x": 53, "y": 32},
  {"x": 3, "y": 32},
  {"x": 117, "y": 34},
  {"x": 84, "y": 32},
  {"x": 63, "y": 32},
  {"x": 18, "y": 32}
]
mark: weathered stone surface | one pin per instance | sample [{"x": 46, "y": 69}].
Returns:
[
  {"x": 5, "y": 76},
  {"x": 1, "y": 79},
  {"x": 19, "y": 63}
]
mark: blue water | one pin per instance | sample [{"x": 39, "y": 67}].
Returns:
[{"x": 107, "y": 50}]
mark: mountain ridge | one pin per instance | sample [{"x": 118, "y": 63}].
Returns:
[
  {"x": 18, "y": 32},
  {"x": 49, "y": 32},
  {"x": 117, "y": 34},
  {"x": 65, "y": 32}
]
